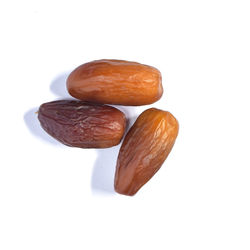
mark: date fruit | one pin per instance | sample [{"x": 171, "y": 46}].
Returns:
[
  {"x": 144, "y": 149},
  {"x": 84, "y": 125},
  {"x": 115, "y": 82}
]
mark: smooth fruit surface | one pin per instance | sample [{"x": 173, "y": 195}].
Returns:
[
  {"x": 83, "y": 125},
  {"x": 144, "y": 149},
  {"x": 115, "y": 82}
]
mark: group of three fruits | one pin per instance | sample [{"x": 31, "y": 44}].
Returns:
[{"x": 90, "y": 124}]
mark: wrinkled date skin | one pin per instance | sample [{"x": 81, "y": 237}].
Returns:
[
  {"x": 144, "y": 149},
  {"x": 115, "y": 82},
  {"x": 78, "y": 124}
]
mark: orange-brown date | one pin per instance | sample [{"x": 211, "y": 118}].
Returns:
[
  {"x": 115, "y": 82},
  {"x": 144, "y": 149},
  {"x": 84, "y": 125}
]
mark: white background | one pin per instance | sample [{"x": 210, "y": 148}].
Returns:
[{"x": 56, "y": 197}]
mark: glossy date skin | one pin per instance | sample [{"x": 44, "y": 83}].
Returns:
[
  {"x": 144, "y": 149},
  {"x": 115, "y": 82},
  {"x": 84, "y": 125}
]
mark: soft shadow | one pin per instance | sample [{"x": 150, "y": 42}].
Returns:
[
  {"x": 104, "y": 170},
  {"x": 58, "y": 86},
  {"x": 32, "y": 123}
]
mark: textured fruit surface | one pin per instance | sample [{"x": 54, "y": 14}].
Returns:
[
  {"x": 144, "y": 149},
  {"x": 83, "y": 125},
  {"x": 115, "y": 82}
]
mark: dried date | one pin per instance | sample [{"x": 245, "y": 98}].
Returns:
[
  {"x": 144, "y": 149},
  {"x": 115, "y": 82},
  {"x": 84, "y": 125}
]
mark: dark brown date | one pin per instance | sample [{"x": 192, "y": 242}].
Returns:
[{"x": 84, "y": 125}]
